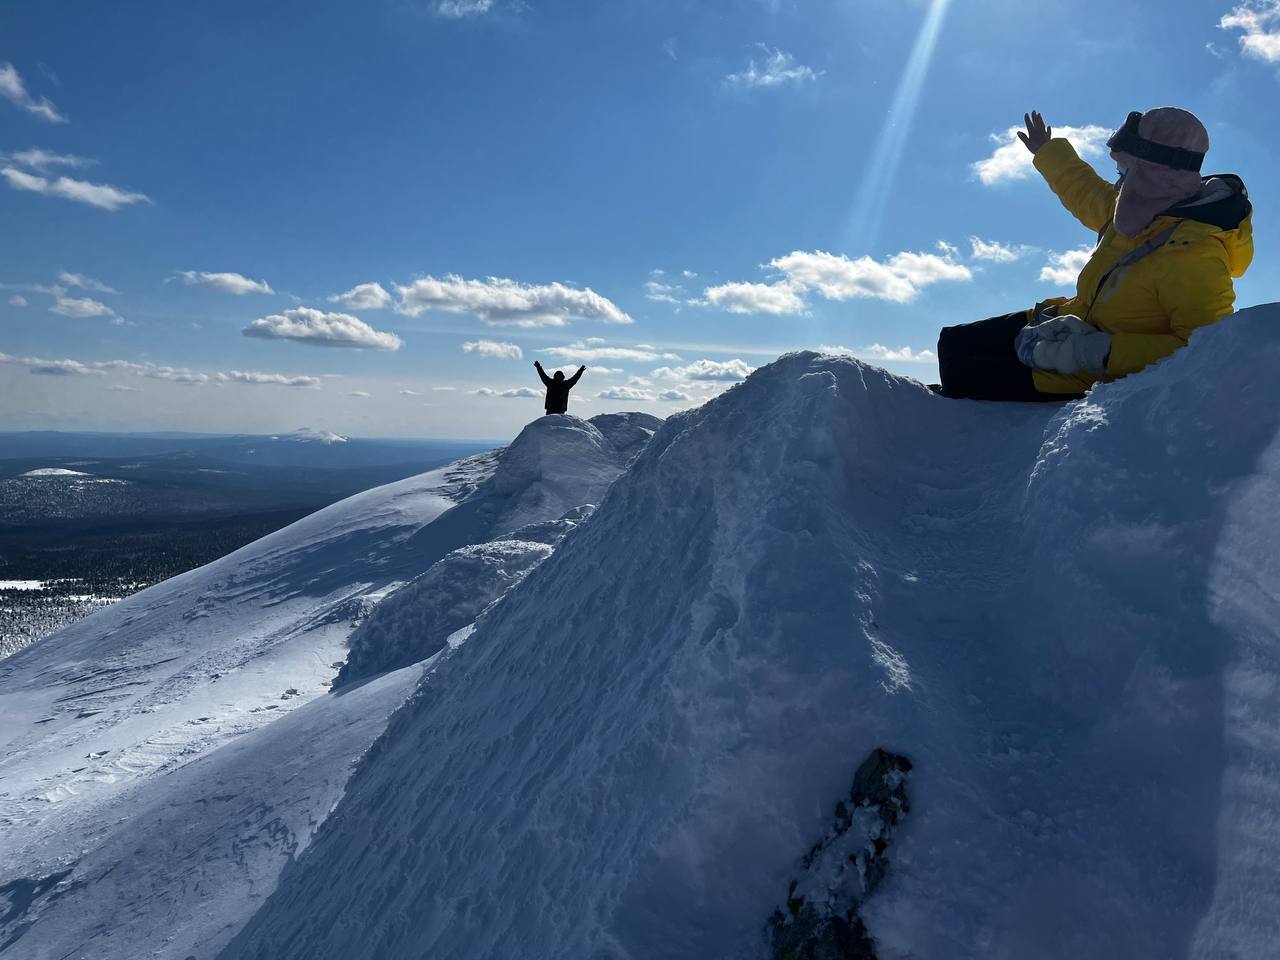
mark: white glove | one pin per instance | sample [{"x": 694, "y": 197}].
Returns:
[{"x": 1066, "y": 344}]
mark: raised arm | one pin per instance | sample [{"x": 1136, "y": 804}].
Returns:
[
  {"x": 1087, "y": 197},
  {"x": 577, "y": 376},
  {"x": 542, "y": 374}
]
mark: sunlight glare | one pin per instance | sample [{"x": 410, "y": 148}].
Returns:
[{"x": 873, "y": 192}]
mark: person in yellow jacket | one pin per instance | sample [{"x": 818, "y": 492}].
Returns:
[{"x": 1169, "y": 243}]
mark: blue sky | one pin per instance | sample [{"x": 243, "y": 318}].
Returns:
[{"x": 197, "y": 200}]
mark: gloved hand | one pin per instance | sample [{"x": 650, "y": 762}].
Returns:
[{"x": 1066, "y": 344}]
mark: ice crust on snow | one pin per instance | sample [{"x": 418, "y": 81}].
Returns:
[
  {"x": 162, "y": 760},
  {"x": 1064, "y": 617}
]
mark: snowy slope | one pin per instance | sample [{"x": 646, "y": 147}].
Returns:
[
  {"x": 1065, "y": 617},
  {"x": 230, "y": 664}
]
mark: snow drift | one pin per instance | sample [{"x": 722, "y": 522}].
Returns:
[{"x": 1065, "y": 618}]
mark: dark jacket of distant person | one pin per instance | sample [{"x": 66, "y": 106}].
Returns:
[{"x": 557, "y": 388}]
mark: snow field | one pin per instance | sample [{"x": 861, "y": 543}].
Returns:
[{"x": 1063, "y": 616}]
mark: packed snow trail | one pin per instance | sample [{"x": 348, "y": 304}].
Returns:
[
  {"x": 1064, "y": 617},
  {"x": 177, "y": 705}
]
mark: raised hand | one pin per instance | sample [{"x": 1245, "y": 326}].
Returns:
[{"x": 1037, "y": 134}]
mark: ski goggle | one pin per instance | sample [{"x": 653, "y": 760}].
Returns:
[{"x": 1127, "y": 140}]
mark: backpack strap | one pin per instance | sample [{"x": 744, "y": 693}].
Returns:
[{"x": 1125, "y": 264}]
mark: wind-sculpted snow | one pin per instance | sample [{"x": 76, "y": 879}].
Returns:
[
  {"x": 165, "y": 711},
  {"x": 1064, "y": 617},
  {"x": 417, "y": 621}
]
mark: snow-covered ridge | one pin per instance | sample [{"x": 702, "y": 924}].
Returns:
[
  {"x": 102, "y": 724},
  {"x": 1065, "y": 619}
]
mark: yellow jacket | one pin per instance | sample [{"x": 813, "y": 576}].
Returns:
[{"x": 1151, "y": 308}]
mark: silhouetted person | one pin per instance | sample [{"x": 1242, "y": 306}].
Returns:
[{"x": 558, "y": 388}]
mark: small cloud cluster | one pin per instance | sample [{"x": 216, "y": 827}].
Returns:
[
  {"x": 1259, "y": 21},
  {"x": 83, "y": 307},
  {"x": 1011, "y": 160},
  {"x": 84, "y": 283},
  {"x": 1064, "y": 268},
  {"x": 233, "y": 283},
  {"x": 624, "y": 393},
  {"x": 493, "y": 350},
  {"x": 462, "y": 9},
  {"x": 660, "y": 289},
  {"x": 513, "y": 393},
  {"x": 992, "y": 251},
  {"x": 265, "y": 379},
  {"x": 44, "y": 160},
  {"x": 500, "y": 301},
  {"x": 315, "y": 327},
  {"x": 364, "y": 296},
  {"x": 836, "y": 277},
  {"x": 152, "y": 371},
  {"x": 880, "y": 352},
  {"x": 728, "y": 370},
  {"x": 775, "y": 69},
  {"x": 593, "y": 348},
  {"x": 101, "y": 195},
  {"x": 15, "y": 91}
]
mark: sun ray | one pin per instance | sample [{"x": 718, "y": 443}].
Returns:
[{"x": 874, "y": 189}]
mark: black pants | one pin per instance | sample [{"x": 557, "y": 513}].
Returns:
[{"x": 978, "y": 362}]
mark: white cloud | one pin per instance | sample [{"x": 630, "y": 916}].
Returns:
[
  {"x": 124, "y": 388},
  {"x": 83, "y": 307},
  {"x": 85, "y": 283},
  {"x": 62, "y": 368},
  {"x": 444, "y": 389},
  {"x": 101, "y": 195},
  {"x": 1260, "y": 21},
  {"x": 877, "y": 351},
  {"x": 18, "y": 301},
  {"x": 308, "y": 325},
  {"x": 707, "y": 370},
  {"x": 267, "y": 379},
  {"x": 674, "y": 396},
  {"x": 776, "y": 69},
  {"x": 624, "y": 393},
  {"x": 513, "y": 393},
  {"x": 773, "y": 298},
  {"x": 671, "y": 47},
  {"x": 662, "y": 292},
  {"x": 13, "y": 90},
  {"x": 493, "y": 349},
  {"x": 462, "y": 9},
  {"x": 152, "y": 371},
  {"x": 1012, "y": 161},
  {"x": 1064, "y": 268},
  {"x": 41, "y": 160},
  {"x": 591, "y": 349},
  {"x": 361, "y": 394},
  {"x": 235, "y": 283},
  {"x": 409, "y": 393},
  {"x": 364, "y": 296},
  {"x": 500, "y": 301},
  {"x": 899, "y": 280},
  {"x": 173, "y": 374},
  {"x": 993, "y": 251}
]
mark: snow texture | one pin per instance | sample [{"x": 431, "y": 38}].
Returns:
[
  {"x": 160, "y": 761},
  {"x": 1065, "y": 618},
  {"x": 416, "y": 622}
]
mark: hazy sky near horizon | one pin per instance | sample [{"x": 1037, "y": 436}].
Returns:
[{"x": 372, "y": 217}]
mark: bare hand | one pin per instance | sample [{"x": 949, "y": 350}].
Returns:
[{"x": 1037, "y": 134}]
